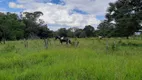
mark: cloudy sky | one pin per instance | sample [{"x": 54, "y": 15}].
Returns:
[{"x": 61, "y": 13}]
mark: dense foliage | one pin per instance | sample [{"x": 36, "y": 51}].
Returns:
[
  {"x": 88, "y": 31},
  {"x": 27, "y": 25},
  {"x": 127, "y": 18}
]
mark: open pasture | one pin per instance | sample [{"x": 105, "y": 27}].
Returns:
[{"x": 93, "y": 59}]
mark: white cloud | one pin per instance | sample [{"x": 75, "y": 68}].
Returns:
[
  {"x": 60, "y": 15},
  {"x": 31, "y": 1},
  {"x": 97, "y": 7},
  {"x": 63, "y": 15},
  {"x": 14, "y": 5}
]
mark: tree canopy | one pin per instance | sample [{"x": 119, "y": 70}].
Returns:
[
  {"x": 13, "y": 27},
  {"x": 127, "y": 16},
  {"x": 106, "y": 29}
]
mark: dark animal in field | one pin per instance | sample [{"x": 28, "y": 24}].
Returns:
[{"x": 63, "y": 39}]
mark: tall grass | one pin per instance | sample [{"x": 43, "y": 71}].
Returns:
[{"x": 89, "y": 61}]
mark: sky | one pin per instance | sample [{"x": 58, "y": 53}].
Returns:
[{"x": 61, "y": 13}]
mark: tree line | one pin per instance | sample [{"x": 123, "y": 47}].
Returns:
[
  {"x": 28, "y": 25},
  {"x": 123, "y": 19}
]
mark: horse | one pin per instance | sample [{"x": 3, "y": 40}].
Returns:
[{"x": 63, "y": 39}]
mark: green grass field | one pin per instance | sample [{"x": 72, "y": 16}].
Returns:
[{"x": 93, "y": 59}]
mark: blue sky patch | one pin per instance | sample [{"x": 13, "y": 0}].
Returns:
[
  {"x": 56, "y": 1},
  {"x": 79, "y": 11},
  {"x": 100, "y": 17}
]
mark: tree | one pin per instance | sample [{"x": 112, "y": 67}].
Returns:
[
  {"x": 10, "y": 26},
  {"x": 127, "y": 15},
  {"x": 106, "y": 29},
  {"x": 13, "y": 27},
  {"x": 30, "y": 21},
  {"x": 79, "y": 33},
  {"x": 89, "y": 31},
  {"x": 44, "y": 32},
  {"x": 74, "y": 32},
  {"x": 62, "y": 32},
  {"x": 70, "y": 32}
]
